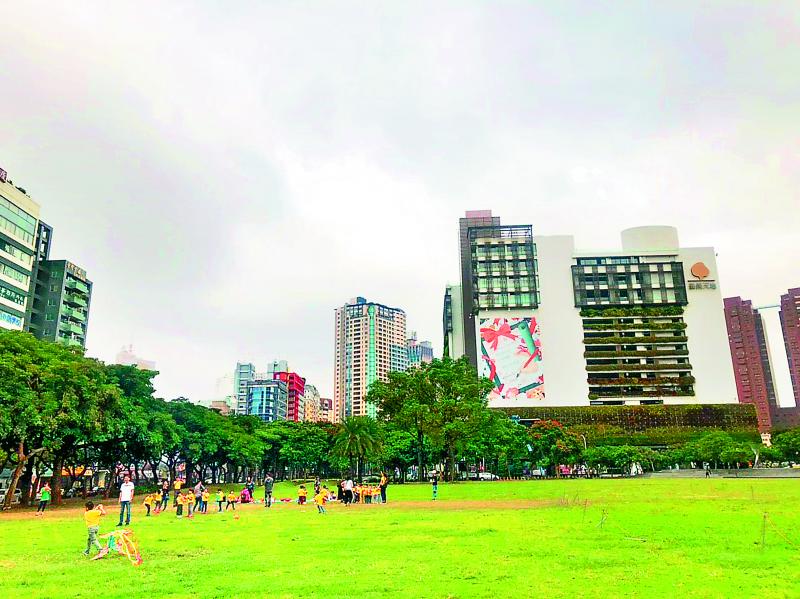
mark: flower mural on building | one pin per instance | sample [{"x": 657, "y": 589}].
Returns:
[{"x": 511, "y": 356}]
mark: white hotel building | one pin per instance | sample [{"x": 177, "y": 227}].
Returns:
[{"x": 558, "y": 326}]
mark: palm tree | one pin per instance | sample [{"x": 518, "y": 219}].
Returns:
[{"x": 356, "y": 438}]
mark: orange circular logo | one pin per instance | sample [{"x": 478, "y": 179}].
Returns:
[{"x": 700, "y": 270}]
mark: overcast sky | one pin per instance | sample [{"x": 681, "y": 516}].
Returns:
[{"x": 229, "y": 173}]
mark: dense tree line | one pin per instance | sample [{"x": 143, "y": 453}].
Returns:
[{"x": 62, "y": 411}]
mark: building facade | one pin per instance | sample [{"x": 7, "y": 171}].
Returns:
[
  {"x": 752, "y": 366},
  {"x": 311, "y": 401},
  {"x": 267, "y": 399},
  {"x": 558, "y": 326},
  {"x": 244, "y": 374},
  {"x": 370, "y": 343},
  {"x": 419, "y": 352},
  {"x": 19, "y": 223},
  {"x": 62, "y": 297},
  {"x": 790, "y": 324}
]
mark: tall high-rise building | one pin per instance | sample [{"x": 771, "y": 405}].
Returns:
[
  {"x": 419, "y": 352},
  {"x": 370, "y": 343},
  {"x": 49, "y": 298},
  {"x": 556, "y": 326},
  {"x": 452, "y": 323},
  {"x": 472, "y": 219},
  {"x": 62, "y": 297},
  {"x": 19, "y": 222},
  {"x": 790, "y": 323},
  {"x": 752, "y": 366},
  {"x": 244, "y": 374}
]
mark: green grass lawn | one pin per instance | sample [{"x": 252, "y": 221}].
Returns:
[{"x": 660, "y": 538}]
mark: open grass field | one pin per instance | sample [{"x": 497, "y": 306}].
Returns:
[{"x": 660, "y": 538}]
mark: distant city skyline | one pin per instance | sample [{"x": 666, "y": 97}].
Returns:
[{"x": 226, "y": 222}]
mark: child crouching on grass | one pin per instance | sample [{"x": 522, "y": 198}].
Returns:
[{"x": 92, "y": 517}]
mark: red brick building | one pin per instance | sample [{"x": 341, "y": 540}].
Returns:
[
  {"x": 751, "y": 362},
  {"x": 790, "y": 323}
]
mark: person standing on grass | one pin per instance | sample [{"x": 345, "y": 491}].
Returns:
[
  {"x": 435, "y": 485},
  {"x": 125, "y": 498},
  {"x": 231, "y": 501},
  {"x": 44, "y": 498},
  {"x": 176, "y": 486},
  {"x": 348, "y": 491},
  {"x": 251, "y": 487},
  {"x": 220, "y": 499},
  {"x": 317, "y": 486},
  {"x": 198, "y": 495},
  {"x": 164, "y": 494},
  {"x": 92, "y": 518},
  {"x": 383, "y": 485},
  {"x": 269, "y": 483}
]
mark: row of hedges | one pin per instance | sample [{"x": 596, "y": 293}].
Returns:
[
  {"x": 674, "y": 381},
  {"x": 657, "y": 436},
  {"x": 630, "y": 326},
  {"x": 632, "y": 311},
  {"x": 663, "y": 392},
  {"x": 643, "y": 418},
  {"x": 633, "y": 340},
  {"x": 635, "y": 367},
  {"x": 632, "y": 353}
]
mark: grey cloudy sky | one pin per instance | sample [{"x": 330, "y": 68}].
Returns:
[{"x": 228, "y": 173}]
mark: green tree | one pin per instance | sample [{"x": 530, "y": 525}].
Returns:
[
  {"x": 459, "y": 411},
  {"x": 356, "y": 438},
  {"x": 788, "y": 443},
  {"x": 406, "y": 399},
  {"x": 552, "y": 444}
]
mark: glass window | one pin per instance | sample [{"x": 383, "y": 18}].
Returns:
[{"x": 15, "y": 274}]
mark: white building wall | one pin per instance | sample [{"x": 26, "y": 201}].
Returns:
[{"x": 709, "y": 352}]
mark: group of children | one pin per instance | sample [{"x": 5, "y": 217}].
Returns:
[
  {"x": 321, "y": 496},
  {"x": 366, "y": 494},
  {"x": 193, "y": 504}
]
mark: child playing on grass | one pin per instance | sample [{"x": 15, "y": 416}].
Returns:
[
  {"x": 302, "y": 494},
  {"x": 435, "y": 486},
  {"x": 43, "y": 499},
  {"x": 92, "y": 518},
  {"x": 180, "y": 501},
  {"x": 231, "y": 501},
  {"x": 148, "y": 502},
  {"x": 220, "y": 499},
  {"x": 189, "y": 501},
  {"x": 320, "y": 499},
  {"x": 206, "y": 496}
]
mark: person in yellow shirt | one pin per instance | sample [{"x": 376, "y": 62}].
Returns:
[
  {"x": 231, "y": 501},
  {"x": 92, "y": 517},
  {"x": 188, "y": 501},
  {"x": 147, "y": 503},
  {"x": 177, "y": 489},
  {"x": 320, "y": 499},
  {"x": 206, "y": 496},
  {"x": 181, "y": 501},
  {"x": 220, "y": 499},
  {"x": 302, "y": 494}
]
